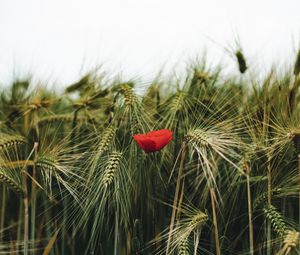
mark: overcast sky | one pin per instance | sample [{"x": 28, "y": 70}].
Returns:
[{"x": 62, "y": 39}]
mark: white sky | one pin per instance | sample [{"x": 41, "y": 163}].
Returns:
[{"x": 62, "y": 39}]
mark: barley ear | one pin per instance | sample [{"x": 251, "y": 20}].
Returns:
[
  {"x": 10, "y": 183},
  {"x": 276, "y": 220},
  {"x": 241, "y": 61},
  {"x": 111, "y": 168},
  {"x": 8, "y": 141},
  {"x": 297, "y": 64},
  {"x": 183, "y": 247}
]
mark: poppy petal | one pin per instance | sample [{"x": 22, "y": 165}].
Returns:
[
  {"x": 145, "y": 143},
  {"x": 154, "y": 140},
  {"x": 158, "y": 133},
  {"x": 161, "y": 141}
]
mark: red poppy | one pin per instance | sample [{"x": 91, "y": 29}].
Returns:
[{"x": 153, "y": 141}]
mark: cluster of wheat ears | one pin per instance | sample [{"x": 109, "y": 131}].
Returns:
[{"x": 74, "y": 181}]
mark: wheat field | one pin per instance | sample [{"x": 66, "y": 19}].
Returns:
[{"x": 75, "y": 179}]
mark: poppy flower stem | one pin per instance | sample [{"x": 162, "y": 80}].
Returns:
[
  {"x": 154, "y": 184},
  {"x": 175, "y": 202}
]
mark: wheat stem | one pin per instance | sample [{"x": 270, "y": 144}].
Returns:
[
  {"x": 299, "y": 194},
  {"x": 33, "y": 199},
  {"x": 116, "y": 241},
  {"x": 269, "y": 204},
  {"x": 216, "y": 231},
  {"x": 3, "y": 208},
  {"x": 26, "y": 205},
  {"x": 26, "y": 215},
  {"x": 249, "y": 209},
  {"x": 20, "y": 226},
  {"x": 183, "y": 151}
]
